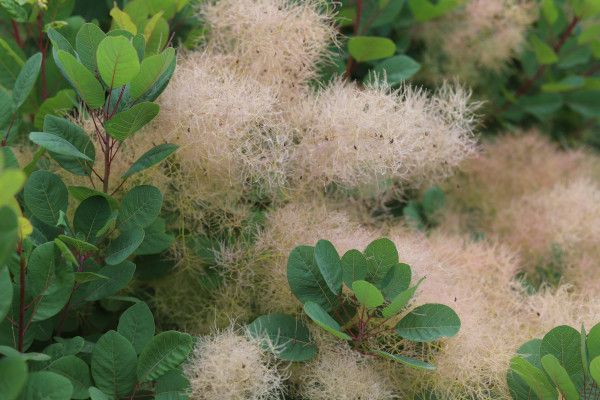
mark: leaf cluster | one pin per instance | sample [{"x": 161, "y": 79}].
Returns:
[{"x": 379, "y": 291}]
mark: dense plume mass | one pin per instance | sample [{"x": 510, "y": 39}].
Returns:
[{"x": 460, "y": 42}]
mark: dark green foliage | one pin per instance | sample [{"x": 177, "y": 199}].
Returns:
[
  {"x": 380, "y": 290},
  {"x": 564, "y": 363}
]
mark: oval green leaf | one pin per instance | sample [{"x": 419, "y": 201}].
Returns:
[
  {"x": 13, "y": 374},
  {"x": 139, "y": 207},
  {"x": 163, "y": 353},
  {"x": 87, "y": 41},
  {"x": 321, "y": 318},
  {"x": 151, "y": 69},
  {"x": 306, "y": 281},
  {"x": 48, "y": 386},
  {"x": 136, "y": 324},
  {"x": 76, "y": 371},
  {"x": 45, "y": 196},
  {"x": 56, "y": 144},
  {"x": 381, "y": 255},
  {"x": 397, "y": 69},
  {"x": 429, "y": 322},
  {"x": 151, "y": 158},
  {"x": 396, "y": 281},
  {"x": 82, "y": 80},
  {"x": 126, "y": 123},
  {"x": 118, "y": 62},
  {"x": 564, "y": 343},
  {"x": 124, "y": 245},
  {"x": 25, "y": 80},
  {"x": 113, "y": 365},
  {"x": 367, "y": 48},
  {"x": 328, "y": 261},
  {"x": 535, "y": 378},
  {"x": 367, "y": 294},
  {"x": 354, "y": 267},
  {"x": 560, "y": 377},
  {"x": 91, "y": 215},
  {"x": 289, "y": 337}
]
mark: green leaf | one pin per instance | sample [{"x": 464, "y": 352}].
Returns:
[
  {"x": 136, "y": 324},
  {"x": 157, "y": 88},
  {"x": 118, "y": 277},
  {"x": 113, "y": 365},
  {"x": 411, "y": 362},
  {"x": 564, "y": 343},
  {"x": 76, "y": 371},
  {"x": 122, "y": 20},
  {"x": 13, "y": 374},
  {"x": 60, "y": 42},
  {"x": 591, "y": 32},
  {"x": 139, "y": 43},
  {"x": 151, "y": 25},
  {"x": 172, "y": 386},
  {"x": 91, "y": 215},
  {"x": 118, "y": 62},
  {"x": 156, "y": 240},
  {"x": 400, "y": 301},
  {"x": 328, "y": 261},
  {"x": 423, "y": 10},
  {"x": 58, "y": 105},
  {"x": 413, "y": 217},
  {"x": 368, "y": 48},
  {"x": 568, "y": 83},
  {"x": 45, "y": 196},
  {"x": 381, "y": 255},
  {"x": 163, "y": 353},
  {"x": 9, "y": 351},
  {"x": 429, "y": 322},
  {"x": 82, "y": 80},
  {"x": 137, "y": 10},
  {"x": 124, "y": 245},
  {"x": 585, "y": 359},
  {"x": 354, "y": 267},
  {"x": 593, "y": 342},
  {"x": 10, "y": 65},
  {"x": 535, "y": 378},
  {"x": 126, "y": 123},
  {"x": 120, "y": 32},
  {"x": 397, "y": 69},
  {"x": 78, "y": 244},
  {"x": 96, "y": 394},
  {"x": 151, "y": 158},
  {"x": 585, "y": 102},
  {"x": 159, "y": 37},
  {"x": 80, "y": 193},
  {"x": 12, "y": 8},
  {"x": 560, "y": 377},
  {"x": 139, "y": 207},
  {"x": 321, "y": 318},
  {"x": 544, "y": 53},
  {"x": 84, "y": 277},
  {"x": 574, "y": 57},
  {"x": 541, "y": 105},
  {"x": 56, "y": 144},
  {"x": 289, "y": 337},
  {"x": 306, "y": 281},
  {"x": 433, "y": 201},
  {"x": 26, "y": 80},
  {"x": 595, "y": 369},
  {"x": 550, "y": 10},
  {"x": 9, "y": 231},
  {"x": 367, "y": 294},
  {"x": 47, "y": 385},
  {"x": 87, "y": 42},
  {"x": 6, "y": 288},
  {"x": 51, "y": 281},
  {"x": 151, "y": 69},
  {"x": 396, "y": 281},
  {"x": 65, "y": 251},
  {"x": 519, "y": 389}
]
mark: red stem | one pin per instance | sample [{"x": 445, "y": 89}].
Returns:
[
  {"x": 17, "y": 35},
  {"x": 11, "y": 321},
  {"x": 43, "y": 51},
  {"x": 22, "y": 303},
  {"x": 5, "y": 139},
  {"x": 116, "y": 105},
  {"x": 592, "y": 69}
]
